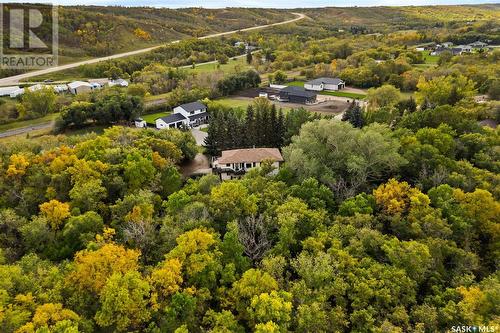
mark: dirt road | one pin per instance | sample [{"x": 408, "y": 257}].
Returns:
[{"x": 13, "y": 80}]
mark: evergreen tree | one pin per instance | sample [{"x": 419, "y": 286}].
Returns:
[{"x": 354, "y": 115}]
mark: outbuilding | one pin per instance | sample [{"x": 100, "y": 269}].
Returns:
[
  {"x": 78, "y": 87},
  {"x": 299, "y": 95},
  {"x": 325, "y": 83}
]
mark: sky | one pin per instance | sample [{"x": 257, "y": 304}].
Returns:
[{"x": 256, "y": 3}]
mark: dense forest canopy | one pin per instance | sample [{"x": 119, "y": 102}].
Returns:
[{"x": 384, "y": 218}]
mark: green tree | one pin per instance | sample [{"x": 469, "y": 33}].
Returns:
[
  {"x": 344, "y": 158},
  {"x": 37, "y": 103},
  {"x": 124, "y": 302}
]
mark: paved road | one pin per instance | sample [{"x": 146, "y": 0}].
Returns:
[
  {"x": 22, "y": 130},
  {"x": 13, "y": 80}
]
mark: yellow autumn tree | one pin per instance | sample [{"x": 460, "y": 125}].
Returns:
[
  {"x": 166, "y": 279},
  {"x": 93, "y": 268},
  {"x": 196, "y": 250},
  {"x": 139, "y": 33},
  {"x": 48, "y": 316},
  {"x": 397, "y": 197},
  {"x": 18, "y": 165},
  {"x": 55, "y": 212}
]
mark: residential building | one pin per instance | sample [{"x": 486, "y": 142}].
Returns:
[
  {"x": 60, "y": 88},
  {"x": 175, "y": 120},
  {"x": 478, "y": 45},
  {"x": 6, "y": 91},
  {"x": 78, "y": 87},
  {"x": 16, "y": 93},
  {"x": 236, "y": 162},
  {"x": 140, "y": 123},
  {"x": 325, "y": 83},
  {"x": 118, "y": 82},
  {"x": 195, "y": 112},
  {"x": 185, "y": 115},
  {"x": 299, "y": 95},
  {"x": 460, "y": 49},
  {"x": 100, "y": 83}
]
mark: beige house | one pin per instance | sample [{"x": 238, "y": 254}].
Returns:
[{"x": 236, "y": 162}]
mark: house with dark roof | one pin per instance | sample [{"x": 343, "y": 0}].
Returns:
[
  {"x": 185, "y": 115},
  {"x": 325, "y": 83},
  {"x": 236, "y": 162},
  {"x": 196, "y": 112},
  {"x": 299, "y": 95},
  {"x": 174, "y": 120}
]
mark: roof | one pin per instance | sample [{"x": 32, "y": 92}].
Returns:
[
  {"x": 76, "y": 84},
  {"x": 100, "y": 81},
  {"x": 250, "y": 155},
  {"x": 489, "y": 123},
  {"x": 199, "y": 115},
  {"x": 298, "y": 91},
  {"x": 325, "y": 80},
  {"x": 174, "y": 117},
  {"x": 193, "y": 106},
  {"x": 8, "y": 90}
]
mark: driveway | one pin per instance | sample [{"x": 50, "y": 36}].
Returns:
[{"x": 199, "y": 135}]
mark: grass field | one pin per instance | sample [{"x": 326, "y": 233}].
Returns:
[
  {"x": 244, "y": 103},
  {"x": 26, "y": 123},
  {"x": 150, "y": 118},
  {"x": 230, "y": 67},
  {"x": 330, "y": 93}
]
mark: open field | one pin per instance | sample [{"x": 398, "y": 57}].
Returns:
[{"x": 232, "y": 65}]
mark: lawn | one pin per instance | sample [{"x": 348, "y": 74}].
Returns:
[
  {"x": 330, "y": 93},
  {"x": 244, "y": 103},
  {"x": 150, "y": 118},
  {"x": 226, "y": 68},
  {"x": 234, "y": 102},
  {"x": 430, "y": 59}
]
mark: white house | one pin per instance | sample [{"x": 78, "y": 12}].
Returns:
[
  {"x": 236, "y": 162},
  {"x": 6, "y": 91},
  {"x": 185, "y": 115},
  {"x": 140, "y": 123},
  {"x": 60, "y": 88},
  {"x": 78, "y": 87},
  {"x": 195, "y": 112},
  {"x": 16, "y": 93},
  {"x": 175, "y": 120},
  {"x": 36, "y": 87},
  {"x": 478, "y": 45},
  {"x": 118, "y": 82},
  {"x": 324, "y": 83}
]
